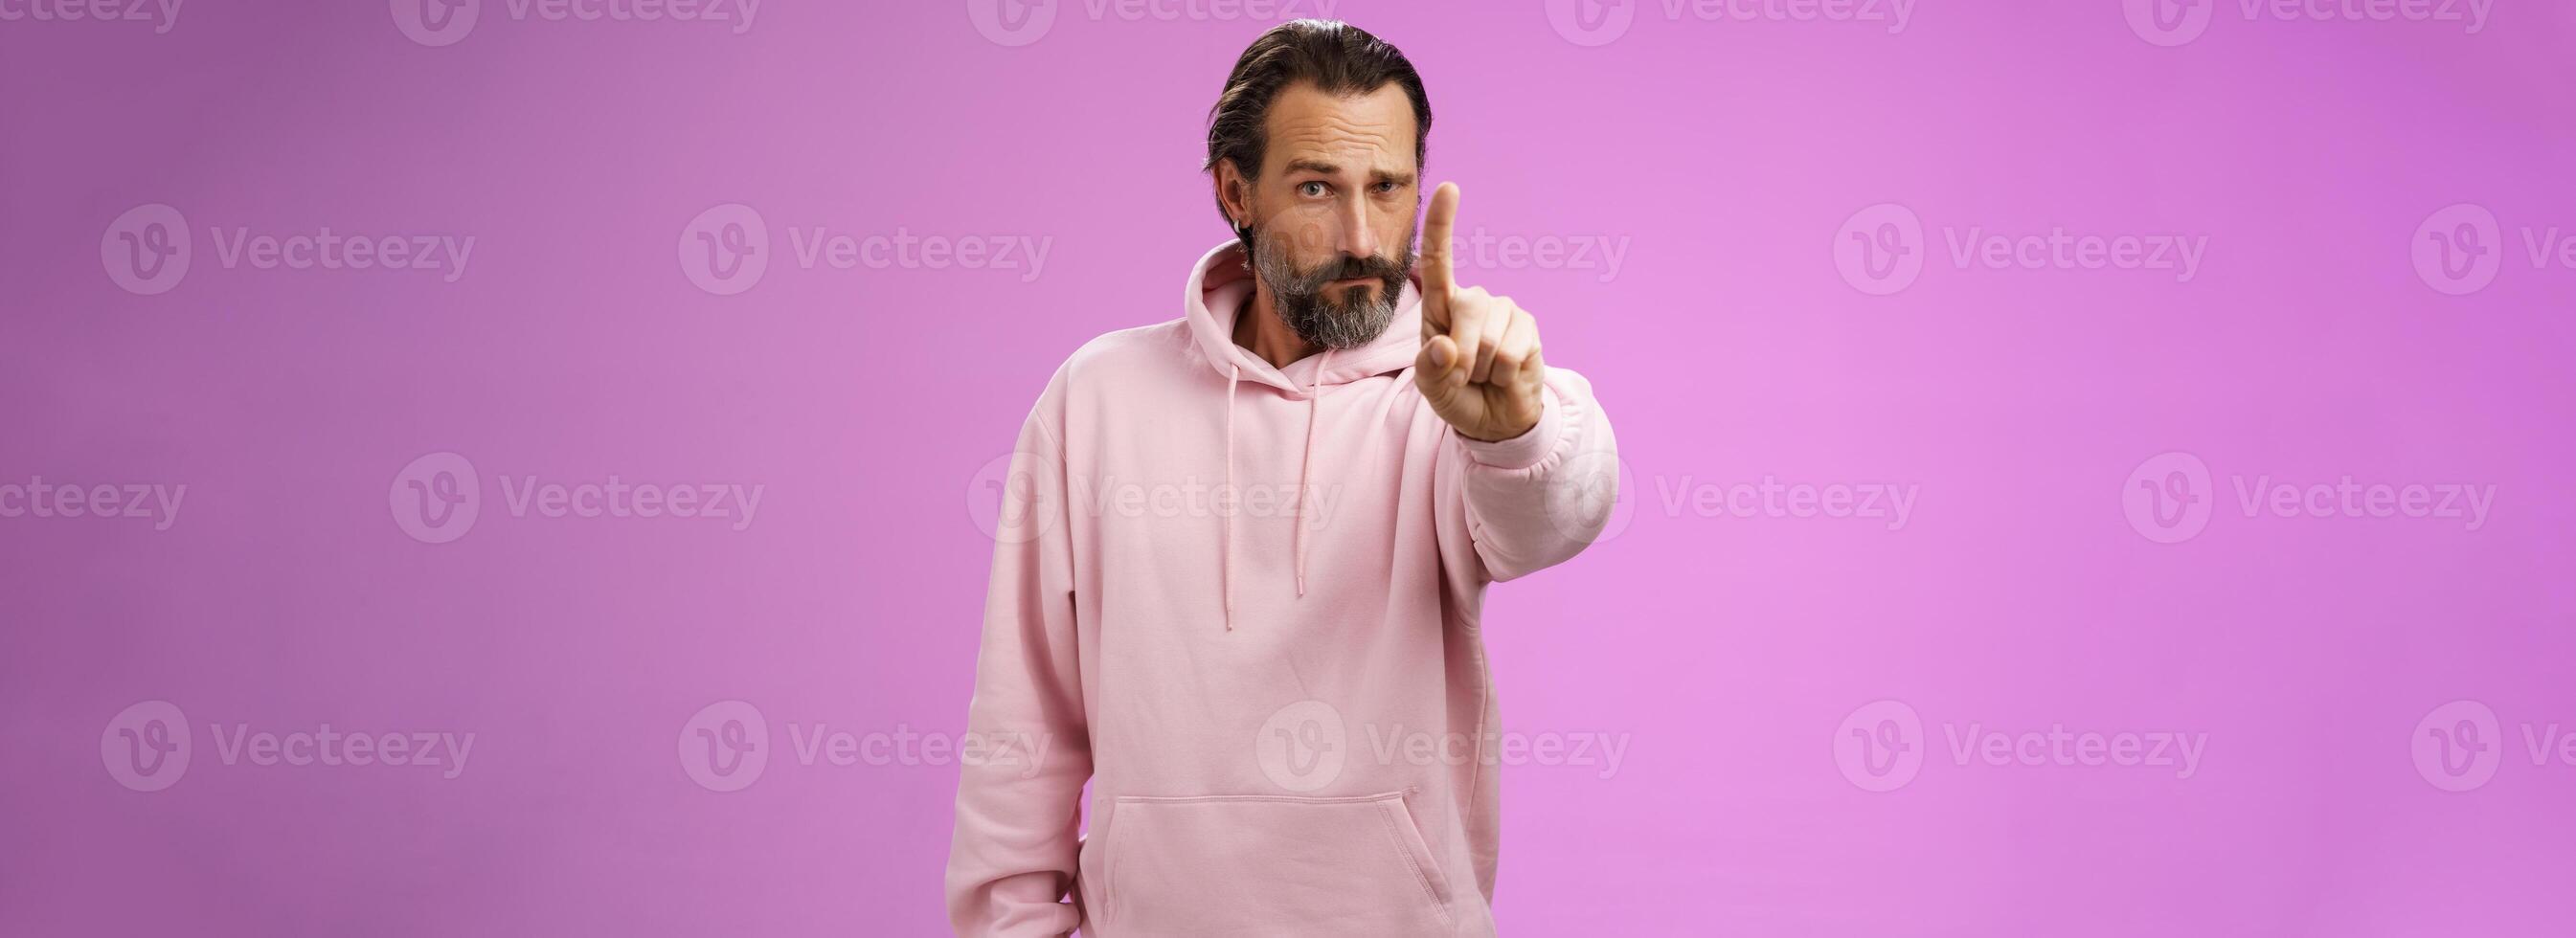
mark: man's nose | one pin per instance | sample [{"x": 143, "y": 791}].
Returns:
[{"x": 1358, "y": 237}]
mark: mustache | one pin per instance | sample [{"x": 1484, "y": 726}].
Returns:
[{"x": 1346, "y": 267}]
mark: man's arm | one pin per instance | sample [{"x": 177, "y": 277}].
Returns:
[
  {"x": 1541, "y": 467},
  {"x": 1016, "y": 850},
  {"x": 1536, "y": 500}
]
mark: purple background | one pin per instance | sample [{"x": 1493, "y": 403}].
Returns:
[{"x": 1727, "y": 650}]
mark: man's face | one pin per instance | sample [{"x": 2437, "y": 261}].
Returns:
[{"x": 1332, "y": 213}]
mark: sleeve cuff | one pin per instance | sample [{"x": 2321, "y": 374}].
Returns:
[{"x": 1525, "y": 450}]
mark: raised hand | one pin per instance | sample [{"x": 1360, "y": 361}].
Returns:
[{"x": 1479, "y": 366}]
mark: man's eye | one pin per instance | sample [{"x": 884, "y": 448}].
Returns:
[
  {"x": 1310, "y": 188},
  {"x": 1386, "y": 187}
]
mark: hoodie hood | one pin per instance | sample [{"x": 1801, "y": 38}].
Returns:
[{"x": 1218, "y": 293}]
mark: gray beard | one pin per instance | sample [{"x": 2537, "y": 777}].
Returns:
[{"x": 1299, "y": 296}]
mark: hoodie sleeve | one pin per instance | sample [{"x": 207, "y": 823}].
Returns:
[
  {"x": 1015, "y": 850},
  {"x": 1537, "y": 499}
]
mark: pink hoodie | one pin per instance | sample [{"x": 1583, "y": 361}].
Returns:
[{"x": 1281, "y": 702}]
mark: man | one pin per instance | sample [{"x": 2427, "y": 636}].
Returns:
[{"x": 1243, "y": 556}]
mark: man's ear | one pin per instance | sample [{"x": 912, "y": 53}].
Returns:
[{"x": 1234, "y": 192}]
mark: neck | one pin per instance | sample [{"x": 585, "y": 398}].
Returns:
[{"x": 1261, "y": 330}]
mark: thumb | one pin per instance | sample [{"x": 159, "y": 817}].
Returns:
[
  {"x": 1443, "y": 352},
  {"x": 1431, "y": 369}
]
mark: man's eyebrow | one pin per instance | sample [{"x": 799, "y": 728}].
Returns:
[{"x": 1322, "y": 168}]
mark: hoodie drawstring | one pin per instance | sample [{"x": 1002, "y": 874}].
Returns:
[
  {"x": 1306, "y": 470},
  {"x": 1225, "y": 540},
  {"x": 1305, "y": 482}
]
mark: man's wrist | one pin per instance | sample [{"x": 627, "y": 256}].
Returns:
[{"x": 1524, "y": 449}]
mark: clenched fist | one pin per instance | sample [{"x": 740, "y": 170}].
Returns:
[{"x": 1479, "y": 365}]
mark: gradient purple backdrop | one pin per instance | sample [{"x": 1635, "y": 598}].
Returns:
[{"x": 1729, "y": 153}]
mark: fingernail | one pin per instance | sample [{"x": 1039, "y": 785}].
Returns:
[{"x": 1440, "y": 355}]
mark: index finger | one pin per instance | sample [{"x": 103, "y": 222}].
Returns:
[{"x": 1437, "y": 222}]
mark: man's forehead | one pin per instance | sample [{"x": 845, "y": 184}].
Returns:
[{"x": 1372, "y": 131}]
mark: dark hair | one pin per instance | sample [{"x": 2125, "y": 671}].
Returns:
[{"x": 1336, "y": 57}]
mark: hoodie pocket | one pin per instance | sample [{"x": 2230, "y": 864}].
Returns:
[{"x": 1271, "y": 864}]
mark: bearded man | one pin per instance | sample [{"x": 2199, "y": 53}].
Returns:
[{"x": 1243, "y": 549}]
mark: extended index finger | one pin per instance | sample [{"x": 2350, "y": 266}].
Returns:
[{"x": 1437, "y": 222}]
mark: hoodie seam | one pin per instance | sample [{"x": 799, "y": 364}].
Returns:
[{"x": 1053, "y": 438}]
